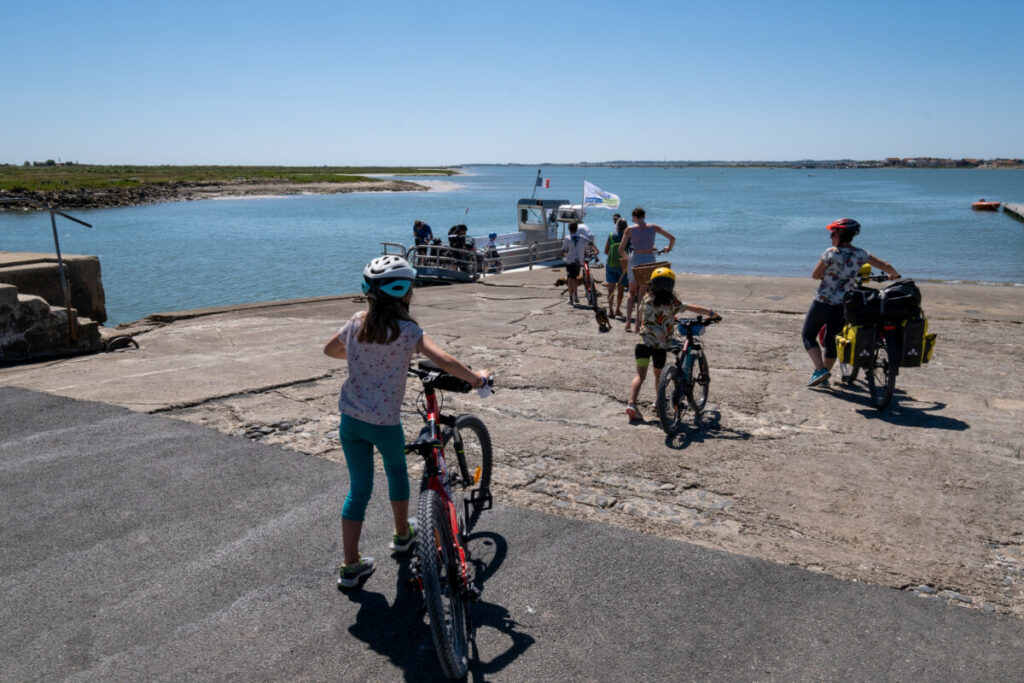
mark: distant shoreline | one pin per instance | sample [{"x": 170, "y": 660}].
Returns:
[{"x": 114, "y": 197}]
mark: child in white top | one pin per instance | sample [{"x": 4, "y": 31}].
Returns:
[{"x": 378, "y": 345}]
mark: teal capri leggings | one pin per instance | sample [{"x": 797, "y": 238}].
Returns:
[{"x": 357, "y": 440}]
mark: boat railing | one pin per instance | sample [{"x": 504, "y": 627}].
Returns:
[
  {"x": 440, "y": 257},
  {"x": 438, "y": 261}
]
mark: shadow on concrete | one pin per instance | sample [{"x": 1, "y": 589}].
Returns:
[
  {"x": 707, "y": 425},
  {"x": 489, "y": 552},
  {"x": 903, "y": 415},
  {"x": 400, "y": 633},
  {"x": 898, "y": 412},
  {"x": 397, "y": 631}
]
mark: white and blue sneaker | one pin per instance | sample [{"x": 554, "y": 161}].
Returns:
[{"x": 819, "y": 377}]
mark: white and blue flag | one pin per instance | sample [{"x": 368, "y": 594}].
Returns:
[{"x": 596, "y": 197}]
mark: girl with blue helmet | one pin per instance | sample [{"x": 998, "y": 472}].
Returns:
[{"x": 378, "y": 345}]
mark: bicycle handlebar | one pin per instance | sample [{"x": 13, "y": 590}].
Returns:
[
  {"x": 429, "y": 373},
  {"x": 699, "y": 320}
]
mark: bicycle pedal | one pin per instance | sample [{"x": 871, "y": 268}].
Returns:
[
  {"x": 481, "y": 499},
  {"x": 473, "y": 593}
]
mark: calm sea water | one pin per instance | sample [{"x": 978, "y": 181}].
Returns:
[{"x": 740, "y": 221}]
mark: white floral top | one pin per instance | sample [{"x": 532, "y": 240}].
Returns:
[
  {"x": 375, "y": 386},
  {"x": 841, "y": 267}
]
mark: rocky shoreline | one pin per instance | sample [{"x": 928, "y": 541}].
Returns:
[{"x": 115, "y": 197}]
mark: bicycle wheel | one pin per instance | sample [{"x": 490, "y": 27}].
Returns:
[
  {"x": 881, "y": 376},
  {"x": 591, "y": 291},
  {"x": 697, "y": 393},
  {"x": 671, "y": 403},
  {"x": 441, "y": 576},
  {"x": 473, "y": 452}
]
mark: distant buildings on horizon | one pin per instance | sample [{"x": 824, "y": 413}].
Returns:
[{"x": 889, "y": 162}]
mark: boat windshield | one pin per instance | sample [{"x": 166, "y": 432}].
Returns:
[{"x": 533, "y": 215}]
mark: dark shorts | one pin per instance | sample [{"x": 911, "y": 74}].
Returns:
[
  {"x": 645, "y": 354},
  {"x": 572, "y": 270}
]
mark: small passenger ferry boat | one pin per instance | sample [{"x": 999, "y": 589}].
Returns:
[
  {"x": 982, "y": 205},
  {"x": 537, "y": 242}
]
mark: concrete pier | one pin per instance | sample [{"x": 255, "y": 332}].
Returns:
[
  {"x": 1015, "y": 210},
  {"x": 923, "y": 497}
]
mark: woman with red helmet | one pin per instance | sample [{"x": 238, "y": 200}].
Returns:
[{"x": 837, "y": 270}]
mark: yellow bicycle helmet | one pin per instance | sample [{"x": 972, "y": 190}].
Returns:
[{"x": 663, "y": 279}]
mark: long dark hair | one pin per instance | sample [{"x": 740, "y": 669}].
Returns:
[
  {"x": 380, "y": 324},
  {"x": 663, "y": 297},
  {"x": 846, "y": 236}
]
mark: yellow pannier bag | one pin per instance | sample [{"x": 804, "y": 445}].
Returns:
[
  {"x": 855, "y": 344},
  {"x": 917, "y": 344},
  {"x": 929, "y": 347}
]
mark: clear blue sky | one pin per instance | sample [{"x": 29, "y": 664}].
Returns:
[{"x": 459, "y": 82}]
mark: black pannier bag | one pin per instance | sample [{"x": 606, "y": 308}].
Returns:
[
  {"x": 855, "y": 345},
  {"x": 862, "y": 306},
  {"x": 901, "y": 299},
  {"x": 912, "y": 350}
]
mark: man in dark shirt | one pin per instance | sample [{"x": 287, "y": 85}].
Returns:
[{"x": 421, "y": 233}]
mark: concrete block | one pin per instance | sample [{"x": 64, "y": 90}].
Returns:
[{"x": 39, "y": 274}]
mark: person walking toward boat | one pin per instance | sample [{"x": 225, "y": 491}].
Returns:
[
  {"x": 837, "y": 269},
  {"x": 656, "y": 327},
  {"x": 615, "y": 280},
  {"x": 641, "y": 235},
  {"x": 574, "y": 247},
  {"x": 378, "y": 344}
]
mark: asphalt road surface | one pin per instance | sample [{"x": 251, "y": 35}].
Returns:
[{"x": 138, "y": 547}]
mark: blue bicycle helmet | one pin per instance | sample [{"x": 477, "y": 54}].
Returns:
[{"x": 389, "y": 274}]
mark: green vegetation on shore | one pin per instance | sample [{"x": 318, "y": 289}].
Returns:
[{"x": 52, "y": 176}]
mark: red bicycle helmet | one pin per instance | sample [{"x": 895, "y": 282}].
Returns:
[{"x": 844, "y": 224}]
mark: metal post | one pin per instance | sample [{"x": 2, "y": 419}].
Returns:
[{"x": 63, "y": 278}]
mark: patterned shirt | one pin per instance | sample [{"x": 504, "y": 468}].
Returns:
[
  {"x": 841, "y": 267},
  {"x": 658, "y": 322},
  {"x": 375, "y": 386}
]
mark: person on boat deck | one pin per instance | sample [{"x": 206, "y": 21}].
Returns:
[
  {"x": 640, "y": 236},
  {"x": 838, "y": 269},
  {"x": 421, "y": 233},
  {"x": 457, "y": 237},
  {"x": 573, "y": 253}
]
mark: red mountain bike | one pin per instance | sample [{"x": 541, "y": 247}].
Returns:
[
  {"x": 451, "y": 499},
  {"x": 590, "y": 287}
]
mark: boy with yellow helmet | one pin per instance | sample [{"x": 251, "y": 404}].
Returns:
[{"x": 657, "y": 317}]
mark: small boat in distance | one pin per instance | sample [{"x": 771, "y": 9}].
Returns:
[
  {"x": 537, "y": 243},
  {"x": 982, "y": 205}
]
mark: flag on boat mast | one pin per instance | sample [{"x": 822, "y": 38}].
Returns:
[
  {"x": 596, "y": 197},
  {"x": 541, "y": 182}
]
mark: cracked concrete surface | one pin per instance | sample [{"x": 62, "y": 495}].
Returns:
[{"x": 927, "y": 496}]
